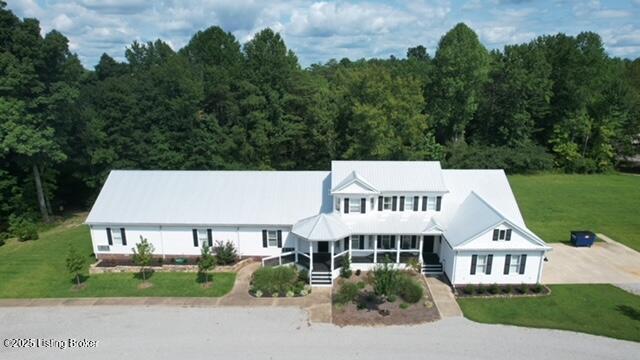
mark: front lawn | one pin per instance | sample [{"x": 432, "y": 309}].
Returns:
[
  {"x": 36, "y": 269},
  {"x": 555, "y": 204},
  {"x": 596, "y": 309}
]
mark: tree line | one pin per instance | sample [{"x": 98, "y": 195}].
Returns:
[{"x": 557, "y": 102}]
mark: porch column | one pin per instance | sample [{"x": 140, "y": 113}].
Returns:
[
  {"x": 333, "y": 243},
  {"x": 421, "y": 239},
  {"x": 375, "y": 249},
  {"x": 297, "y": 247},
  {"x": 350, "y": 245},
  {"x": 310, "y": 256},
  {"x": 398, "y": 249}
]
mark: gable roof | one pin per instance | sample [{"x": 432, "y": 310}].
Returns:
[
  {"x": 354, "y": 184},
  {"x": 321, "y": 227},
  {"x": 401, "y": 176},
  {"x": 211, "y": 197},
  {"x": 475, "y": 216}
]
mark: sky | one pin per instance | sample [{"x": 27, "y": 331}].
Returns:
[{"x": 321, "y": 30}]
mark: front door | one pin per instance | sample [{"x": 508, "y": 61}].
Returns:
[
  {"x": 427, "y": 247},
  {"x": 323, "y": 246}
]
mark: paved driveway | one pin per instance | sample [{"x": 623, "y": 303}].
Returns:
[
  {"x": 605, "y": 262},
  {"x": 276, "y": 333}
]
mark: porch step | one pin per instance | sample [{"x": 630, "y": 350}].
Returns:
[
  {"x": 321, "y": 278},
  {"x": 432, "y": 269}
]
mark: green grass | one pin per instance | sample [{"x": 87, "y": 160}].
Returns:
[
  {"x": 555, "y": 204},
  {"x": 594, "y": 309},
  {"x": 36, "y": 269}
]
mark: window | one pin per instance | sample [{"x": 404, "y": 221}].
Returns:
[
  {"x": 337, "y": 247},
  {"x": 387, "y": 242},
  {"x": 355, "y": 241},
  {"x": 408, "y": 203},
  {"x": 272, "y": 238},
  {"x": 117, "y": 236},
  {"x": 502, "y": 234},
  {"x": 431, "y": 203},
  {"x": 354, "y": 205},
  {"x": 337, "y": 201},
  {"x": 481, "y": 264},
  {"x": 406, "y": 242},
  {"x": 202, "y": 236},
  {"x": 514, "y": 265},
  {"x": 371, "y": 242},
  {"x": 373, "y": 201},
  {"x": 386, "y": 203}
]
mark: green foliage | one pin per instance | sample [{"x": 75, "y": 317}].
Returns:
[
  {"x": 410, "y": 289},
  {"x": 143, "y": 255},
  {"x": 75, "y": 263},
  {"x": 345, "y": 271},
  {"x": 404, "y": 306},
  {"x": 415, "y": 265},
  {"x": 348, "y": 292},
  {"x": 274, "y": 281},
  {"x": 385, "y": 279},
  {"x": 23, "y": 229},
  {"x": 206, "y": 262},
  {"x": 522, "y": 159},
  {"x": 226, "y": 253}
]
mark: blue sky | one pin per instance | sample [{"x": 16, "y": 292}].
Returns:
[{"x": 320, "y": 30}]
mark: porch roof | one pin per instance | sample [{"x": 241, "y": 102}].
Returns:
[{"x": 321, "y": 227}]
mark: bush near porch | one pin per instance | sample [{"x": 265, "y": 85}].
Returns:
[
  {"x": 280, "y": 281},
  {"x": 595, "y": 309},
  {"x": 36, "y": 269}
]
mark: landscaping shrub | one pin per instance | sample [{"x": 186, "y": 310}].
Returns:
[
  {"x": 392, "y": 298},
  {"x": 385, "y": 279},
  {"x": 3, "y": 237},
  {"x": 361, "y": 284},
  {"x": 274, "y": 280},
  {"x": 345, "y": 271},
  {"x": 358, "y": 272},
  {"x": 348, "y": 292},
  {"x": 258, "y": 294},
  {"x": 414, "y": 265},
  {"x": 522, "y": 288},
  {"x": 290, "y": 294},
  {"x": 410, "y": 290},
  {"x": 303, "y": 275},
  {"x": 537, "y": 288},
  {"x": 226, "y": 253},
  {"x": 22, "y": 228},
  {"x": 469, "y": 289},
  {"x": 404, "y": 306},
  {"x": 508, "y": 289},
  {"x": 481, "y": 289},
  {"x": 493, "y": 289}
]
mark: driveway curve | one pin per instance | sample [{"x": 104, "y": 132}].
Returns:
[{"x": 160, "y": 332}]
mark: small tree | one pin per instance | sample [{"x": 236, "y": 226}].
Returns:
[
  {"x": 142, "y": 256},
  {"x": 75, "y": 263},
  {"x": 346, "y": 272},
  {"x": 226, "y": 253},
  {"x": 206, "y": 263}
]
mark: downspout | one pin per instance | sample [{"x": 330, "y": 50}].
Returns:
[{"x": 540, "y": 267}]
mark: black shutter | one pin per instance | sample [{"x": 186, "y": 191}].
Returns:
[
  {"x": 394, "y": 204},
  {"x": 346, "y": 205},
  {"x": 109, "y": 238},
  {"x": 379, "y": 242},
  {"x": 495, "y": 234},
  {"x": 393, "y": 241},
  {"x": 507, "y": 263},
  {"x": 401, "y": 203},
  {"x": 210, "y": 237},
  {"x": 361, "y": 242},
  {"x": 414, "y": 241},
  {"x": 264, "y": 238},
  {"x": 508, "y": 234},
  {"x": 279, "y": 238},
  {"x": 195, "y": 237},
  {"x": 363, "y": 205},
  {"x": 523, "y": 263},
  {"x": 346, "y": 243},
  {"x": 415, "y": 203},
  {"x": 489, "y": 264},
  {"x": 380, "y": 201},
  {"x": 474, "y": 260},
  {"x": 123, "y": 234},
  {"x": 424, "y": 203},
  {"x": 438, "y": 203}
]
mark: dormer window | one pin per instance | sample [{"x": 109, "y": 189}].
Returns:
[
  {"x": 431, "y": 203},
  {"x": 354, "y": 205}
]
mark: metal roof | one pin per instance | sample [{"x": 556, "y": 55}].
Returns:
[
  {"x": 211, "y": 197},
  {"x": 401, "y": 176},
  {"x": 321, "y": 227}
]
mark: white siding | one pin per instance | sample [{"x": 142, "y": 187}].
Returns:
[
  {"x": 463, "y": 269},
  {"x": 485, "y": 241},
  {"x": 447, "y": 259}
]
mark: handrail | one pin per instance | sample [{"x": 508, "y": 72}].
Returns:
[
  {"x": 278, "y": 256},
  {"x": 340, "y": 254}
]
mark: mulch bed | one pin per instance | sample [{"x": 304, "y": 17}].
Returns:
[
  {"x": 503, "y": 291},
  {"x": 349, "y": 315}
]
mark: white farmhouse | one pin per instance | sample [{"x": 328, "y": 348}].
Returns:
[{"x": 463, "y": 223}]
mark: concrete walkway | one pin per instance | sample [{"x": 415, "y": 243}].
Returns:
[
  {"x": 443, "y": 297},
  {"x": 318, "y": 303}
]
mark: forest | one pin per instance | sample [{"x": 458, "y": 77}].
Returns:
[{"x": 557, "y": 103}]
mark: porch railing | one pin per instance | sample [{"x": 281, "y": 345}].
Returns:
[{"x": 286, "y": 258}]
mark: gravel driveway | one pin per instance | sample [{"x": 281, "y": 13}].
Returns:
[{"x": 276, "y": 333}]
